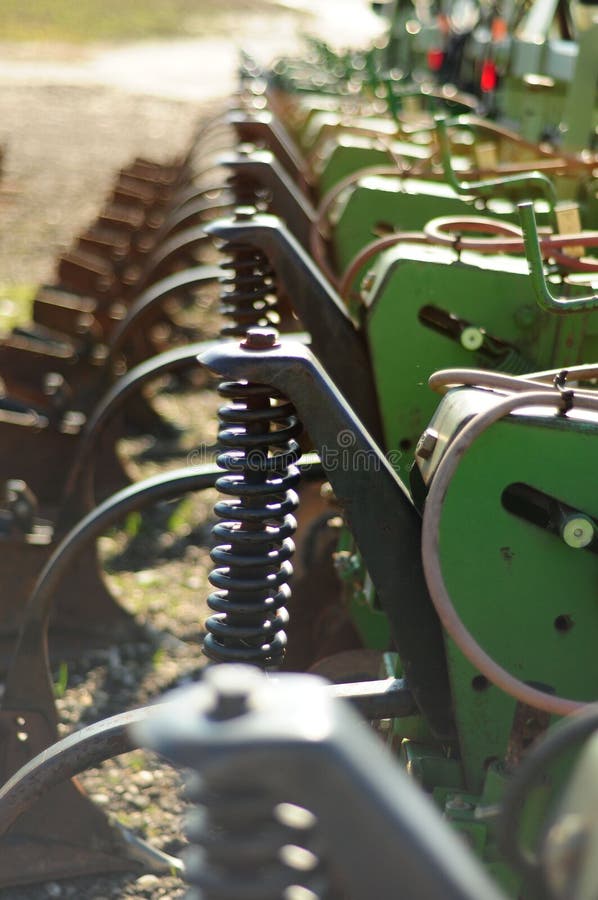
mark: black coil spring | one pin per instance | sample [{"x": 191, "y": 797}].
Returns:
[
  {"x": 247, "y": 191},
  {"x": 245, "y": 846},
  {"x": 247, "y": 295},
  {"x": 258, "y": 430}
]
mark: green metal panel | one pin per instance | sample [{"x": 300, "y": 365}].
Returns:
[
  {"x": 493, "y": 293},
  {"x": 345, "y": 154},
  {"x": 536, "y": 109},
  {"x": 399, "y": 204},
  {"x": 581, "y": 107},
  {"x": 527, "y": 597}
]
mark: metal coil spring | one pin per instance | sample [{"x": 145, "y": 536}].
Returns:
[
  {"x": 257, "y": 434},
  {"x": 247, "y": 297},
  {"x": 246, "y": 846},
  {"x": 514, "y": 363},
  {"x": 247, "y": 191}
]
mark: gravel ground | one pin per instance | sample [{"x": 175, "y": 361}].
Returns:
[
  {"x": 64, "y": 142},
  {"x": 61, "y": 161},
  {"x": 64, "y": 145}
]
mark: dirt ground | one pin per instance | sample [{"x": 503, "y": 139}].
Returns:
[
  {"x": 70, "y": 116},
  {"x": 65, "y": 137},
  {"x": 64, "y": 144}
]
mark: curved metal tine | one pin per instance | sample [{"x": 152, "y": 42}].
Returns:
[
  {"x": 154, "y": 295},
  {"x": 194, "y": 211},
  {"x": 179, "y": 243},
  {"x": 84, "y": 749},
  {"x": 205, "y": 131},
  {"x": 540, "y": 182},
  {"x": 30, "y": 660},
  {"x": 191, "y": 193},
  {"x": 28, "y": 701},
  {"x": 544, "y": 296},
  {"x": 80, "y": 482},
  {"x": 28, "y": 718}
]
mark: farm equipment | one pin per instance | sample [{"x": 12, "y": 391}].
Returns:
[{"x": 353, "y": 224}]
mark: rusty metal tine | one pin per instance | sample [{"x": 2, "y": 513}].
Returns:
[{"x": 84, "y": 749}]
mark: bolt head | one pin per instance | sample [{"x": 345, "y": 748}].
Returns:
[
  {"x": 232, "y": 685},
  {"x": 426, "y": 444},
  {"x": 578, "y": 531},
  {"x": 53, "y": 382},
  {"x": 260, "y": 339},
  {"x": 245, "y": 213},
  {"x": 472, "y": 338}
]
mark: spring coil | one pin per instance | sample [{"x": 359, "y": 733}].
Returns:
[
  {"x": 247, "y": 296},
  {"x": 246, "y": 191},
  {"x": 258, "y": 430},
  {"x": 514, "y": 363},
  {"x": 246, "y": 846}
]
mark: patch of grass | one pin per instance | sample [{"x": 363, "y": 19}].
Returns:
[
  {"x": 181, "y": 519},
  {"x": 98, "y": 20},
  {"x": 16, "y": 301},
  {"x": 62, "y": 680},
  {"x": 133, "y": 524},
  {"x": 137, "y": 761},
  {"x": 158, "y": 657}
]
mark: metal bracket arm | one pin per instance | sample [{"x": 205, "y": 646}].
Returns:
[
  {"x": 287, "y": 201},
  {"x": 260, "y": 126},
  {"x": 336, "y": 342},
  {"x": 90, "y": 746},
  {"x": 380, "y": 833},
  {"x": 383, "y": 519}
]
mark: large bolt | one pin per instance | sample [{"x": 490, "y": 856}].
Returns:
[
  {"x": 426, "y": 444},
  {"x": 22, "y": 503},
  {"x": 232, "y": 684},
  {"x": 260, "y": 339},
  {"x": 245, "y": 213}
]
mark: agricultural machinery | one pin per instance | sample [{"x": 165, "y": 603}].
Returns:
[{"x": 401, "y": 243}]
